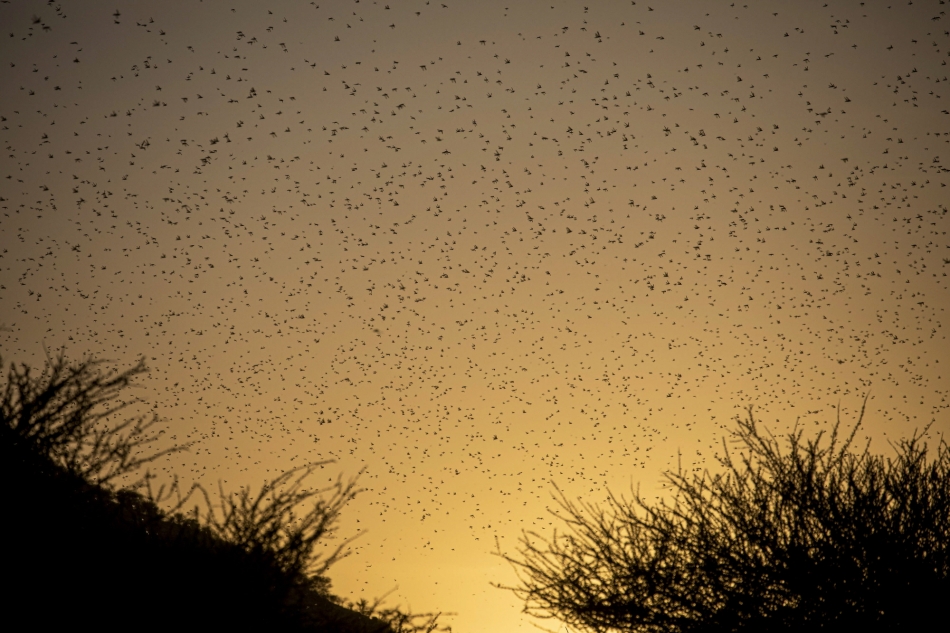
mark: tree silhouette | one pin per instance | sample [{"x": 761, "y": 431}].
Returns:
[
  {"x": 66, "y": 414},
  {"x": 793, "y": 534},
  {"x": 81, "y": 550}
]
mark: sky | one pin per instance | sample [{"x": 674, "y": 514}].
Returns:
[{"x": 471, "y": 251}]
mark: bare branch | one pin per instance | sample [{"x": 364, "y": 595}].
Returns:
[
  {"x": 792, "y": 533},
  {"x": 68, "y": 413}
]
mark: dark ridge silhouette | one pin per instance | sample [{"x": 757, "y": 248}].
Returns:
[
  {"x": 81, "y": 551},
  {"x": 795, "y": 534}
]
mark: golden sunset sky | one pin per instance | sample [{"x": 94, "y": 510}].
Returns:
[{"x": 480, "y": 249}]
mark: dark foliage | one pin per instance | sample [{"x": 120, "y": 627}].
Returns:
[
  {"x": 795, "y": 534},
  {"x": 80, "y": 551},
  {"x": 66, "y": 413}
]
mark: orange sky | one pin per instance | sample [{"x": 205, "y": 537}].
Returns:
[{"x": 478, "y": 250}]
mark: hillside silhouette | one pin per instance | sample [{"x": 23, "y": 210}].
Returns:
[{"x": 81, "y": 550}]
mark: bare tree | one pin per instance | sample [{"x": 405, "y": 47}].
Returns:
[
  {"x": 270, "y": 520},
  {"x": 793, "y": 534},
  {"x": 68, "y": 413}
]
